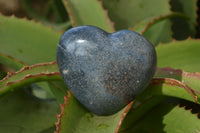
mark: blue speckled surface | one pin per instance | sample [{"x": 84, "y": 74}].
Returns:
[{"x": 105, "y": 71}]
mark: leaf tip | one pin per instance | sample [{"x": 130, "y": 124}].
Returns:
[{"x": 107, "y": 16}]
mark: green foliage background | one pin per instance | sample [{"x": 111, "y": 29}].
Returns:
[{"x": 33, "y": 97}]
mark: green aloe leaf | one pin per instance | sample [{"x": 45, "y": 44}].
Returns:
[
  {"x": 127, "y": 13},
  {"x": 142, "y": 26},
  {"x": 160, "y": 32},
  {"x": 138, "y": 110},
  {"x": 11, "y": 62},
  {"x": 28, "y": 75},
  {"x": 153, "y": 95},
  {"x": 192, "y": 80},
  {"x": 188, "y": 122},
  {"x": 75, "y": 118},
  {"x": 167, "y": 118},
  {"x": 26, "y": 41},
  {"x": 145, "y": 27},
  {"x": 182, "y": 29},
  {"x": 21, "y": 114},
  {"x": 180, "y": 55},
  {"x": 173, "y": 88},
  {"x": 158, "y": 90},
  {"x": 88, "y": 12},
  {"x": 52, "y": 13},
  {"x": 186, "y": 88},
  {"x": 59, "y": 90}
]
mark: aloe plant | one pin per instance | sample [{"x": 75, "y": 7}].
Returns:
[{"x": 34, "y": 98}]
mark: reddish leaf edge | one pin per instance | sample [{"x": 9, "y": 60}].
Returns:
[
  {"x": 171, "y": 71},
  {"x": 123, "y": 116},
  {"x": 70, "y": 13},
  {"x": 44, "y": 76},
  {"x": 58, "y": 88},
  {"x": 12, "y": 58},
  {"x": 159, "y": 19},
  {"x": 59, "y": 116},
  {"x": 101, "y": 4},
  {"x": 158, "y": 81},
  {"x": 27, "y": 68},
  {"x": 40, "y": 22},
  {"x": 167, "y": 81},
  {"x": 11, "y": 62},
  {"x": 107, "y": 16},
  {"x": 155, "y": 80},
  {"x": 173, "y": 82},
  {"x": 66, "y": 97},
  {"x": 178, "y": 72}
]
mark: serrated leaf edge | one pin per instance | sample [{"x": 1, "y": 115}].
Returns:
[
  {"x": 50, "y": 26},
  {"x": 171, "y": 71},
  {"x": 12, "y": 58},
  {"x": 173, "y": 82},
  {"x": 107, "y": 16},
  {"x": 27, "y": 79},
  {"x": 101, "y": 5},
  {"x": 190, "y": 110},
  {"x": 158, "y": 19},
  {"x": 59, "y": 116},
  {"x": 27, "y": 68}
]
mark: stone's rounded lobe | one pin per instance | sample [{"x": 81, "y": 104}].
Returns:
[{"x": 105, "y": 71}]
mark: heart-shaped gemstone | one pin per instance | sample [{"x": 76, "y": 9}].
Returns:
[{"x": 105, "y": 71}]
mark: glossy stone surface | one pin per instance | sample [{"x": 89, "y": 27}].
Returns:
[{"x": 105, "y": 71}]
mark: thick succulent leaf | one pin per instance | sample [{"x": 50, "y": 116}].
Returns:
[
  {"x": 167, "y": 118},
  {"x": 145, "y": 27},
  {"x": 180, "y": 55},
  {"x": 187, "y": 122},
  {"x": 160, "y": 32},
  {"x": 21, "y": 114},
  {"x": 188, "y": 87},
  {"x": 139, "y": 108},
  {"x": 127, "y": 13},
  {"x": 142, "y": 26},
  {"x": 59, "y": 90},
  {"x": 83, "y": 121},
  {"x": 51, "y": 8},
  {"x": 190, "y": 79},
  {"x": 75, "y": 118},
  {"x": 11, "y": 62},
  {"x": 28, "y": 75},
  {"x": 88, "y": 12},
  {"x": 171, "y": 87},
  {"x": 182, "y": 29},
  {"x": 27, "y": 41}
]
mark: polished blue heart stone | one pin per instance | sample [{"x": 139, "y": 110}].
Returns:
[{"x": 105, "y": 71}]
